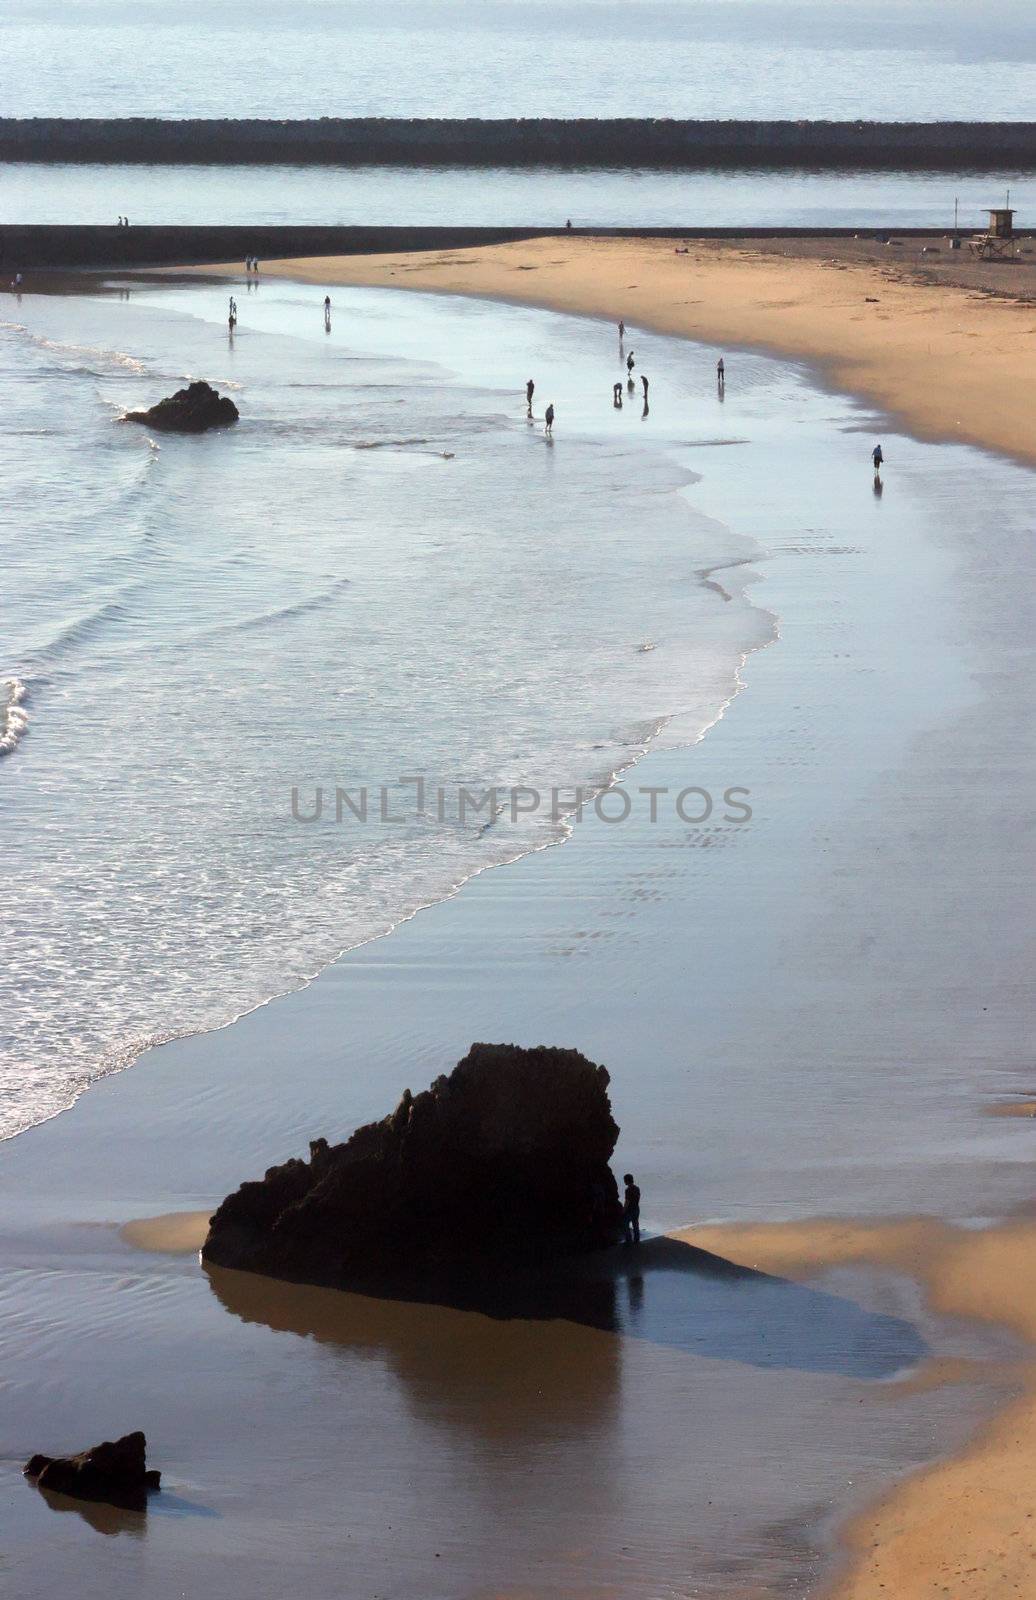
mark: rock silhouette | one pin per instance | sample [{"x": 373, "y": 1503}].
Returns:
[
  {"x": 115, "y": 1471},
  {"x": 192, "y": 410},
  {"x": 501, "y": 1166}
]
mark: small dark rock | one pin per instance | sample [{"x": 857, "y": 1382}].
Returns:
[
  {"x": 191, "y": 410},
  {"x": 114, "y": 1471}
]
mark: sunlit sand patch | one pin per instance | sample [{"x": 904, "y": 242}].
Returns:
[
  {"x": 1013, "y": 1108},
  {"x": 176, "y": 1233}
]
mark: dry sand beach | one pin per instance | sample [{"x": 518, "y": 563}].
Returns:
[
  {"x": 943, "y": 343},
  {"x": 868, "y": 941}
]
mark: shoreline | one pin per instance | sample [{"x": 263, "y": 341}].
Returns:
[
  {"x": 963, "y": 1522},
  {"x": 942, "y": 357},
  {"x": 185, "y": 1068}
]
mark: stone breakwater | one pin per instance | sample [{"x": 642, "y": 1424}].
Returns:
[{"x": 523, "y": 142}]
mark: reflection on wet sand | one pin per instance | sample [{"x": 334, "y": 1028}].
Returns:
[
  {"x": 665, "y": 1291},
  {"x": 103, "y": 1518}
]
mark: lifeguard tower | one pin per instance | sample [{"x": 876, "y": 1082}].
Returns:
[{"x": 998, "y": 243}]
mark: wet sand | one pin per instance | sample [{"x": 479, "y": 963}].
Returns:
[
  {"x": 966, "y": 1526},
  {"x": 805, "y": 1015},
  {"x": 943, "y": 343}
]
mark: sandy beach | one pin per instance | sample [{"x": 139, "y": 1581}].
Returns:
[
  {"x": 966, "y": 1526},
  {"x": 941, "y": 342},
  {"x": 805, "y": 1017}
]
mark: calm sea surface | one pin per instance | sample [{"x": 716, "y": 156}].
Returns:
[
  {"x": 387, "y": 195},
  {"x": 897, "y": 59}
]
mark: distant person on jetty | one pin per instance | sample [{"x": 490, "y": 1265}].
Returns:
[
  {"x": 877, "y": 458},
  {"x": 631, "y": 1209},
  {"x": 530, "y": 390},
  {"x": 548, "y": 422},
  {"x": 617, "y": 396}
]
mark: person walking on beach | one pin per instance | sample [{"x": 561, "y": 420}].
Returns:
[
  {"x": 645, "y": 383},
  {"x": 877, "y": 458},
  {"x": 622, "y": 330},
  {"x": 631, "y": 1209},
  {"x": 629, "y": 363},
  {"x": 548, "y": 422},
  {"x": 530, "y": 389},
  {"x": 617, "y": 396},
  {"x": 721, "y": 372}
]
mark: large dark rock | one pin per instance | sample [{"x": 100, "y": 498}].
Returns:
[
  {"x": 501, "y": 1166},
  {"x": 115, "y": 1471},
  {"x": 191, "y": 410}
]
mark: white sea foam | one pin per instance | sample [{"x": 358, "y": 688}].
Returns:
[
  {"x": 287, "y": 611},
  {"x": 14, "y": 720}
]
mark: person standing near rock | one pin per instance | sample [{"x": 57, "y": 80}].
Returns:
[{"x": 631, "y": 1209}]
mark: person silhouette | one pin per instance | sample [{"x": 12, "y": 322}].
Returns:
[
  {"x": 548, "y": 422},
  {"x": 721, "y": 372},
  {"x": 631, "y": 1209},
  {"x": 617, "y": 396},
  {"x": 877, "y": 457},
  {"x": 622, "y": 331},
  {"x": 629, "y": 362},
  {"x": 645, "y": 383},
  {"x": 530, "y": 389}
]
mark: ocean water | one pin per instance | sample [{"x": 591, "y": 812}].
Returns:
[
  {"x": 385, "y": 570},
  {"x": 510, "y": 197},
  {"x": 896, "y": 59}
]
